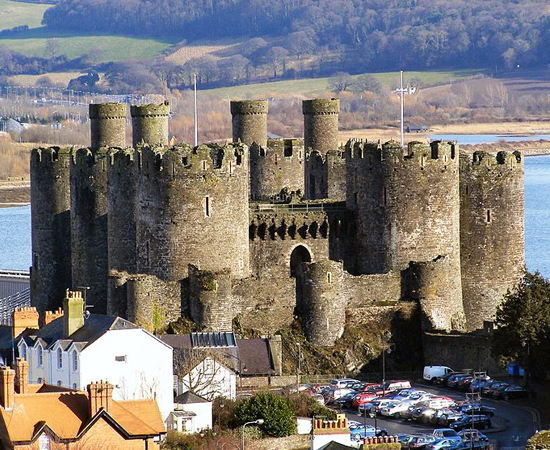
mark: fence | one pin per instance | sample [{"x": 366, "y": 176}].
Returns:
[{"x": 8, "y": 304}]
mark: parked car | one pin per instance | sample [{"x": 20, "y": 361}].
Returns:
[
  {"x": 442, "y": 380},
  {"x": 418, "y": 442},
  {"x": 342, "y": 382},
  {"x": 509, "y": 392},
  {"x": 393, "y": 385},
  {"x": 453, "y": 380},
  {"x": 475, "y": 421},
  {"x": 490, "y": 389},
  {"x": 447, "y": 416},
  {"x": 476, "y": 408},
  {"x": 472, "y": 433},
  {"x": 431, "y": 372},
  {"x": 362, "y": 432},
  {"x": 345, "y": 401},
  {"x": 445, "y": 444},
  {"x": 362, "y": 398}
]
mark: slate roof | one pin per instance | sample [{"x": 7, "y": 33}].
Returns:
[
  {"x": 333, "y": 445},
  {"x": 94, "y": 327},
  {"x": 188, "y": 398}
]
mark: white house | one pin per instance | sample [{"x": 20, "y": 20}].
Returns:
[
  {"x": 210, "y": 379},
  {"x": 72, "y": 351},
  {"x": 192, "y": 414}
]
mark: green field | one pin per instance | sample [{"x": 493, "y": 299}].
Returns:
[
  {"x": 319, "y": 86},
  {"x": 14, "y": 14},
  {"x": 33, "y": 42}
]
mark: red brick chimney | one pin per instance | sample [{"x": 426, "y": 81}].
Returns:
[
  {"x": 7, "y": 392},
  {"x": 50, "y": 316},
  {"x": 22, "y": 375},
  {"x": 100, "y": 395},
  {"x": 23, "y": 318}
]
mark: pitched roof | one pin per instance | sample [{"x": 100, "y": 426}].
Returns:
[
  {"x": 94, "y": 327},
  {"x": 67, "y": 415},
  {"x": 333, "y": 445},
  {"x": 188, "y": 398}
]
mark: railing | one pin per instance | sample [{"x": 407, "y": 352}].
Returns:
[
  {"x": 298, "y": 207},
  {"x": 8, "y": 304},
  {"x": 24, "y": 274},
  {"x": 371, "y": 377}
]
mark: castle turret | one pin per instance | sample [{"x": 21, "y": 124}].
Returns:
[
  {"x": 491, "y": 231},
  {"x": 324, "y": 302},
  {"x": 321, "y": 124},
  {"x": 276, "y": 168},
  {"x": 51, "y": 226},
  {"x": 249, "y": 118},
  {"x": 89, "y": 208},
  {"x": 192, "y": 209},
  {"x": 108, "y": 125},
  {"x": 150, "y": 124},
  {"x": 325, "y": 170}
]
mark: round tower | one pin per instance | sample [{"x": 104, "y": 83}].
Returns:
[
  {"x": 192, "y": 208},
  {"x": 108, "y": 125},
  {"x": 491, "y": 231},
  {"x": 51, "y": 227},
  {"x": 321, "y": 124},
  {"x": 89, "y": 206},
  {"x": 150, "y": 124},
  {"x": 210, "y": 296},
  {"x": 324, "y": 302},
  {"x": 121, "y": 219},
  {"x": 275, "y": 168},
  {"x": 249, "y": 119}
]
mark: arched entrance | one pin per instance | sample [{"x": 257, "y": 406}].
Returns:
[{"x": 299, "y": 255}]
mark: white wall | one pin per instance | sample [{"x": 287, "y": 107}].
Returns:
[
  {"x": 203, "y": 418},
  {"x": 146, "y": 371},
  {"x": 210, "y": 379}
]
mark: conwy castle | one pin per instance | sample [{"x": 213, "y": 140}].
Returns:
[{"x": 263, "y": 231}]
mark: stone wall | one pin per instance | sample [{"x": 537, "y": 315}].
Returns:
[
  {"x": 325, "y": 175},
  {"x": 249, "y": 120},
  {"x": 150, "y": 124},
  {"x": 108, "y": 125}
]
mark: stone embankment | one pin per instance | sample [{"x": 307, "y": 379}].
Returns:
[
  {"x": 528, "y": 148},
  {"x": 15, "y": 193}
]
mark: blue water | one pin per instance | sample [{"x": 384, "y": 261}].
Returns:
[
  {"x": 487, "y": 138},
  {"x": 15, "y": 229},
  {"x": 15, "y": 238}
]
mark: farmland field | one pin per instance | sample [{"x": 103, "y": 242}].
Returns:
[{"x": 14, "y": 14}]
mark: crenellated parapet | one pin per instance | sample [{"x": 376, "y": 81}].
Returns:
[
  {"x": 296, "y": 226},
  {"x": 150, "y": 124},
  {"x": 491, "y": 213}
]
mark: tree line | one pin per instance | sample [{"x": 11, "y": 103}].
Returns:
[{"x": 363, "y": 34}]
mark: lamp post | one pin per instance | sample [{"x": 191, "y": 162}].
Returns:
[
  {"x": 299, "y": 370},
  {"x": 254, "y": 422}
]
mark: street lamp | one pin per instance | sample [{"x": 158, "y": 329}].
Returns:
[{"x": 254, "y": 422}]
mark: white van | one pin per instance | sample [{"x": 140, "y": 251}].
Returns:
[{"x": 431, "y": 372}]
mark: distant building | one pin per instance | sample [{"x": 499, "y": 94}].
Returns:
[
  {"x": 192, "y": 414},
  {"x": 47, "y": 418},
  {"x": 210, "y": 379},
  {"x": 71, "y": 351}
]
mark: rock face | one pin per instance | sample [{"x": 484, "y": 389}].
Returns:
[{"x": 221, "y": 232}]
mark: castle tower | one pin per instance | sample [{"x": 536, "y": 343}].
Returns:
[
  {"x": 491, "y": 231},
  {"x": 89, "y": 208},
  {"x": 249, "y": 119},
  {"x": 324, "y": 175},
  {"x": 321, "y": 124},
  {"x": 192, "y": 208},
  {"x": 275, "y": 168},
  {"x": 210, "y": 298},
  {"x": 150, "y": 124},
  {"x": 122, "y": 178},
  {"x": 108, "y": 125},
  {"x": 324, "y": 303},
  {"x": 51, "y": 226},
  {"x": 407, "y": 208}
]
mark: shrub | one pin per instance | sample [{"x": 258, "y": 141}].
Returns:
[
  {"x": 276, "y": 411},
  {"x": 540, "y": 441}
]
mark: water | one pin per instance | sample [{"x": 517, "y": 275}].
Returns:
[
  {"x": 487, "y": 138},
  {"x": 15, "y": 238},
  {"x": 15, "y": 229}
]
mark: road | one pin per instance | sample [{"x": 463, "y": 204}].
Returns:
[{"x": 516, "y": 424}]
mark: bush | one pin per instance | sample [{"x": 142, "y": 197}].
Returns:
[
  {"x": 540, "y": 441},
  {"x": 307, "y": 406},
  {"x": 277, "y": 413}
]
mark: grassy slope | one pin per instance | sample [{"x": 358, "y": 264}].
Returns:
[
  {"x": 33, "y": 42},
  {"x": 319, "y": 86}
]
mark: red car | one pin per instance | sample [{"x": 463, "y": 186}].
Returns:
[{"x": 362, "y": 398}]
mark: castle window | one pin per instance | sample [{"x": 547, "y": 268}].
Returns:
[
  {"x": 288, "y": 149},
  {"x": 207, "y": 206},
  {"x": 230, "y": 168},
  {"x": 147, "y": 254},
  {"x": 329, "y": 277},
  {"x": 489, "y": 218},
  {"x": 385, "y": 196},
  {"x": 300, "y": 154},
  {"x": 262, "y": 151},
  {"x": 355, "y": 197},
  {"x": 204, "y": 165},
  {"x": 422, "y": 162},
  {"x": 275, "y": 159}
]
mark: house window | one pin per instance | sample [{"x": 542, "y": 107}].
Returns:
[
  {"x": 39, "y": 380},
  {"x": 75, "y": 361},
  {"x": 121, "y": 358},
  {"x": 59, "y": 383},
  {"x": 43, "y": 442},
  {"x": 23, "y": 351},
  {"x": 39, "y": 356},
  {"x": 59, "y": 358},
  {"x": 74, "y": 386}
]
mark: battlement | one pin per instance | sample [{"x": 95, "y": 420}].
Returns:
[
  {"x": 107, "y": 111},
  {"x": 121, "y": 157},
  {"x": 202, "y": 159},
  {"x": 321, "y": 106},
  {"x": 283, "y": 148},
  {"x": 484, "y": 159},
  {"x": 151, "y": 110},
  {"x": 49, "y": 155},
  {"x": 249, "y": 107},
  {"x": 85, "y": 157},
  {"x": 297, "y": 225}
]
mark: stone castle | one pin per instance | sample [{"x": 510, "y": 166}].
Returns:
[{"x": 262, "y": 231}]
